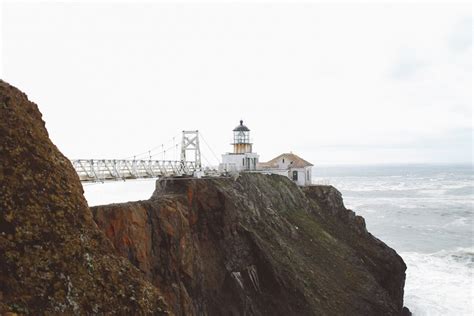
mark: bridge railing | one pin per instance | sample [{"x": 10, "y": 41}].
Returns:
[{"x": 97, "y": 170}]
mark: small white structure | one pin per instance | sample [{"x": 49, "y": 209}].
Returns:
[
  {"x": 291, "y": 166},
  {"x": 242, "y": 159}
]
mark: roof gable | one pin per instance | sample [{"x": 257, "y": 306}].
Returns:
[{"x": 295, "y": 160}]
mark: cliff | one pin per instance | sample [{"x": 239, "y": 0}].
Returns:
[
  {"x": 53, "y": 258},
  {"x": 255, "y": 245}
]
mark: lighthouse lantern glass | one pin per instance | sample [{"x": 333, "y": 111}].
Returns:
[{"x": 241, "y": 137}]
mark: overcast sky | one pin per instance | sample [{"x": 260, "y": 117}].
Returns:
[{"x": 359, "y": 83}]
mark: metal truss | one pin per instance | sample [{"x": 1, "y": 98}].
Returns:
[
  {"x": 99, "y": 170},
  {"x": 190, "y": 142}
]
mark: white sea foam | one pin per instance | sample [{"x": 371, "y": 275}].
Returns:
[
  {"x": 428, "y": 185},
  {"x": 440, "y": 283},
  {"x": 458, "y": 222}
]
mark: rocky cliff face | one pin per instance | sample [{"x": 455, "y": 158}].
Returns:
[
  {"x": 53, "y": 258},
  {"x": 255, "y": 245}
]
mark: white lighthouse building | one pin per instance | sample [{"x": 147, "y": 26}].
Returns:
[{"x": 242, "y": 159}]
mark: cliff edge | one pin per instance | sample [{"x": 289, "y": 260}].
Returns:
[
  {"x": 252, "y": 245},
  {"x": 53, "y": 258},
  {"x": 256, "y": 245}
]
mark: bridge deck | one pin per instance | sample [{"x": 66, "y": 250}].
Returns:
[{"x": 99, "y": 170}]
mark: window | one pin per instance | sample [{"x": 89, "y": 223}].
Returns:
[
  {"x": 243, "y": 161},
  {"x": 295, "y": 175},
  {"x": 283, "y": 160},
  {"x": 241, "y": 137}
]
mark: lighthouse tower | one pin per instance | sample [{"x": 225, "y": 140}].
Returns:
[{"x": 242, "y": 159}]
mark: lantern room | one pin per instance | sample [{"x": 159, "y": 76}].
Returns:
[{"x": 242, "y": 139}]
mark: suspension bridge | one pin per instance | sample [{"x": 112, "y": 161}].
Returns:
[{"x": 189, "y": 164}]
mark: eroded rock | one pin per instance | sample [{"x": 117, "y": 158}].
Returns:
[{"x": 53, "y": 257}]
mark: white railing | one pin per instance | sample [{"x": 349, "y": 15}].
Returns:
[{"x": 99, "y": 170}]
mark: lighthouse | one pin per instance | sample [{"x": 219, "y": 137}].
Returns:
[{"x": 242, "y": 158}]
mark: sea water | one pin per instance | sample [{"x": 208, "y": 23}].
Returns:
[{"x": 426, "y": 214}]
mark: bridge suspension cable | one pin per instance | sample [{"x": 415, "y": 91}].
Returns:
[
  {"x": 152, "y": 150},
  {"x": 210, "y": 149}
]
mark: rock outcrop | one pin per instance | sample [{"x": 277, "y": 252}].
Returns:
[
  {"x": 53, "y": 258},
  {"x": 256, "y": 245}
]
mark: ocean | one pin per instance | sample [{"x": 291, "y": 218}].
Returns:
[{"x": 424, "y": 212}]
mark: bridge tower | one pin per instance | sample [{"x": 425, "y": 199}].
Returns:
[{"x": 190, "y": 142}]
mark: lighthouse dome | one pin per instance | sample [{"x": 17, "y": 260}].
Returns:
[{"x": 241, "y": 127}]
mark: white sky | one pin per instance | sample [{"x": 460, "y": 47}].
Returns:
[{"x": 334, "y": 83}]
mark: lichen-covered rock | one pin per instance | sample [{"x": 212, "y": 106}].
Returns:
[
  {"x": 53, "y": 257},
  {"x": 257, "y": 245}
]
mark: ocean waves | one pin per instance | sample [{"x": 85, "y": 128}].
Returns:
[
  {"x": 440, "y": 283},
  {"x": 427, "y": 215}
]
